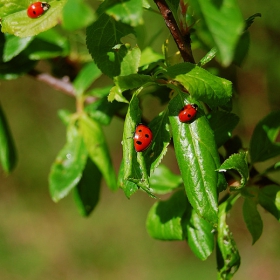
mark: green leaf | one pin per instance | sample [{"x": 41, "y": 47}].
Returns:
[
  {"x": 269, "y": 199},
  {"x": 103, "y": 111},
  {"x": 228, "y": 257},
  {"x": 129, "y": 12},
  {"x": 87, "y": 191},
  {"x": 104, "y": 44},
  {"x": 97, "y": 149},
  {"x": 252, "y": 218},
  {"x": 14, "y": 45},
  {"x": 133, "y": 117},
  {"x": 250, "y": 20},
  {"x": 144, "y": 182},
  {"x": 65, "y": 116},
  {"x": 198, "y": 160},
  {"x": 130, "y": 62},
  {"x": 263, "y": 143},
  {"x": 86, "y": 77},
  {"x": 222, "y": 124},
  {"x": 163, "y": 181},
  {"x": 165, "y": 218},
  {"x": 99, "y": 92},
  {"x": 11, "y": 6},
  {"x": 208, "y": 57},
  {"x": 242, "y": 49},
  {"x": 116, "y": 94},
  {"x": 77, "y": 14},
  {"x": 202, "y": 85},
  {"x": 161, "y": 139},
  {"x": 149, "y": 56},
  {"x": 19, "y": 24},
  {"x": 146, "y": 4},
  {"x": 8, "y": 156},
  {"x": 133, "y": 81},
  {"x": 54, "y": 37},
  {"x": 127, "y": 186},
  {"x": 200, "y": 234},
  {"x": 135, "y": 169},
  {"x": 40, "y": 49},
  {"x": 48, "y": 44},
  {"x": 239, "y": 163},
  {"x": 16, "y": 66},
  {"x": 224, "y": 24},
  {"x": 67, "y": 169}
]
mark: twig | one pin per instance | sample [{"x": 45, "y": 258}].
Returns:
[
  {"x": 183, "y": 42},
  {"x": 63, "y": 84}
]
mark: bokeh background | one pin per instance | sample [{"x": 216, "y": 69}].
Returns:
[{"x": 40, "y": 239}]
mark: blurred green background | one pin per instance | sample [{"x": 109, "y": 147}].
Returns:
[{"x": 43, "y": 240}]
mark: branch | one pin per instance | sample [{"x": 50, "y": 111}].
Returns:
[
  {"x": 183, "y": 42},
  {"x": 63, "y": 84}
]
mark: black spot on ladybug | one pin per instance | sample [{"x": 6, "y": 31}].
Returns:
[
  {"x": 147, "y": 135},
  {"x": 138, "y": 142},
  {"x": 189, "y": 115},
  {"x": 34, "y": 13}
]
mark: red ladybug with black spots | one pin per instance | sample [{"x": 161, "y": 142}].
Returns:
[
  {"x": 188, "y": 113},
  {"x": 37, "y": 9},
  {"x": 143, "y": 137}
]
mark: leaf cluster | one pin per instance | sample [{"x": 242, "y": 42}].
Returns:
[{"x": 215, "y": 169}]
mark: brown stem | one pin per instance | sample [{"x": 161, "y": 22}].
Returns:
[
  {"x": 183, "y": 42},
  {"x": 63, "y": 84}
]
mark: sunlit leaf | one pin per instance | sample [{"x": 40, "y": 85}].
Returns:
[
  {"x": 14, "y": 45},
  {"x": 199, "y": 234},
  {"x": 83, "y": 15},
  {"x": 135, "y": 169},
  {"x": 127, "y": 186},
  {"x": 161, "y": 139},
  {"x": 222, "y": 21},
  {"x": 198, "y": 159},
  {"x": 86, "y": 77},
  {"x": 201, "y": 84},
  {"x": 67, "y": 169},
  {"x": 239, "y": 163},
  {"x": 15, "y": 67},
  {"x": 103, "y": 38},
  {"x": 97, "y": 149},
  {"x": 19, "y": 24},
  {"x": 129, "y": 12},
  {"x": 163, "y": 181}
]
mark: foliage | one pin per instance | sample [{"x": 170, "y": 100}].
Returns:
[{"x": 193, "y": 211}]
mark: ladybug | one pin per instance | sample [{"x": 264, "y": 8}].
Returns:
[
  {"x": 188, "y": 113},
  {"x": 143, "y": 137},
  {"x": 37, "y": 9}
]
